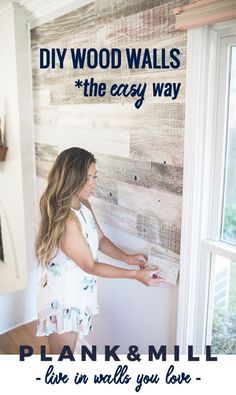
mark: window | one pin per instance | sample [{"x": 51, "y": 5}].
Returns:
[
  {"x": 221, "y": 320},
  {"x": 207, "y": 291},
  {"x": 228, "y": 231}
]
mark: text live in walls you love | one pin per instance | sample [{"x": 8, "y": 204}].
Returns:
[{"x": 120, "y": 374}]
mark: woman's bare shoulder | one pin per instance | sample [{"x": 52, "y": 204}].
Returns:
[{"x": 72, "y": 220}]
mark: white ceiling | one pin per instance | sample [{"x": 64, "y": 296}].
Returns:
[{"x": 41, "y": 11}]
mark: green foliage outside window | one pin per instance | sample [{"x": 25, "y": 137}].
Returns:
[
  {"x": 224, "y": 321},
  {"x": 230, "y": 223},
  {"x": 224, "y": 332}
]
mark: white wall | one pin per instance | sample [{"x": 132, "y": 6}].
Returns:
[
  {"x": 18, "y": 273},
  {"x": 131, "y": 313}
]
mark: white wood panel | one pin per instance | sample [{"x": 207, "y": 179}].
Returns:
[
  {"x": 74, "y": 115},
  {"x": 161, "y": 147},
  {"x": 98, "y": 140},
  {"x": 167, "y": 178},
  {"x": 118, "y": 217},
  {"x": 45, "y": 157},
  {"x": 127, "y": 170},
  {"x": 168, "y": 267},
  {"x": 158, "y": 204},
  {"x": 159, "y": 232},
  {"x": 106, "y": 189}
]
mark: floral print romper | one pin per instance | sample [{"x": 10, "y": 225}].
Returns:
[{"x": 68, "y": 297}]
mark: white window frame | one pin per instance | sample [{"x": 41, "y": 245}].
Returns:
[{"x": 202, "y": 183}]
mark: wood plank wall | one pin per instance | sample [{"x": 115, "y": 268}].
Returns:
[{"x": 139, "y": 152}]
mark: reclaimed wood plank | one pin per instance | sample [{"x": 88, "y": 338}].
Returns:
[
  {"x": 169, "y": 268},
  {"x": 161, "y": 134},
  {"x": 164, "y": 119},
  {"x": 120, "y": 218},
  {"x": 166, "y": 254},
  {"x": 81, "y": 19},
  {"x": 106, "y": 189},
  {"x": 125, "y": 220},
  {"x": 100, "y": 116},
  {"x": 159, "y": 232},
  {"x": 49, "y": 134},
  {"x": 126, "y": 170},
  {"x": 161, "y": 148},
  {"x": 163, "y": 143},
  {"x": 108, "y": 10},
  {"x": 142, "y": 26},
  {"x": 168, "y": 178},
  {"x": 151, "y": 203},
  {"x": 167, "y": 117},
  {"x": 158, "y": 127},
  {"x": 101, "y": 140},
  {"x": 45, "y": 157}
]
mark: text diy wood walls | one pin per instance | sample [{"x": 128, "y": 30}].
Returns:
[{"x": 139, "y": 152}]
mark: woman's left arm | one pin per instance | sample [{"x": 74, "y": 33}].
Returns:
[{"x": 108, "y": 248}]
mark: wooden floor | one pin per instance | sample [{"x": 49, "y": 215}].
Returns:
[{"x": 25, "y": 334}]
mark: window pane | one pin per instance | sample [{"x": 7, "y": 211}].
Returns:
[
  {"x": 224, "y": 311},
  {"x": 229, "y": 208}
]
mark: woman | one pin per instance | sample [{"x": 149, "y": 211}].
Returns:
[{"x": 67, "y": 244}]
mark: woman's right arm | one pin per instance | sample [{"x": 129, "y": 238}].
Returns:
[{"x": 74, "y": 245}]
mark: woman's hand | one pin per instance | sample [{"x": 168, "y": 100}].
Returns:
[
  {"x": 136, "y": 259},
  {"x": 149, "y": 277}
]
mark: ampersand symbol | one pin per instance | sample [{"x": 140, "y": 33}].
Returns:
[{"x": 133, "y": 355}]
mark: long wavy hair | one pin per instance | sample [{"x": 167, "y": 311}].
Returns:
[{"x": 66, "y": 178}]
